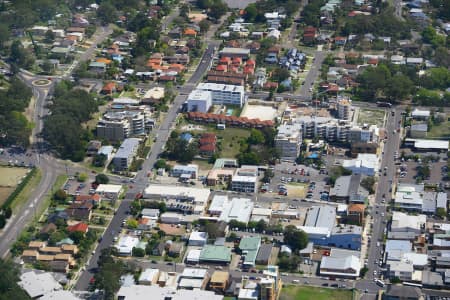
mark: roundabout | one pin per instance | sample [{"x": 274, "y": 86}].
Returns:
[{"x": 41, "y": 82}]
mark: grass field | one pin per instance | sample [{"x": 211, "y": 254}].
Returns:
[
  {"x": 441, "y": 131},
  {"x": 9, "y": 179},
  {"x": 371, "y": 117},
  {"x": 11, "y": 176},
  {"x": 291, "y": 292},
  {"x": 25, "y": 194}
]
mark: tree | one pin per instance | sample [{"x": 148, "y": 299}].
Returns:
[
  {"x": 108, "y": 277},
  {"x": 132, "y": 223},
  {"x": 213, "y": 230},
  {"x": 49, "y": 36},
  {"x": 60, "y": 195},
  {"x": 138, "y": 252},
  {"x": 160, "y": 164},
  {"x": 256, "y": 137},
  {"x": 204, "y": 25},
  {"x": 2, "y": 221},
  {"x": 7, "y": 212},
  {"x": 82, "y": 177},
  {"x": 217, "y": 9},
  {"x": 281, "y": 74},
  {"x": 9, "y": 289},
  {"x": 248, "y": 158},
  {"x": 47, "y": 66},
  {"x": 99, "y": 160},
  {"x": 20, "y": 56},
  {"x": 368, "y": 183},
  {"x": 101, "y": 179},
  {"x": 107, "y": 13},
  {"x": 440, "y": 212},
  {"x": 297, "y": 239},
  {"x": 4, "y": 34},
  {"x": 251, "y": 12},
  {"x": 398, "y": 87},
  {"x": 289, "y": 263}
]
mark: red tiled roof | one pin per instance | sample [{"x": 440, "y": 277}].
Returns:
[
  {"x": 82, "y": 227},
  {"x": 83, "y": 198}
]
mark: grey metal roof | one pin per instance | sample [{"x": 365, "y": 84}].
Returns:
[{"x": 127, "y": 148}]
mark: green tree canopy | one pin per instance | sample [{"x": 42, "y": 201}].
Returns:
[
  {"x": 9, "y": 289},
  {"x": 297, "y": 239}
]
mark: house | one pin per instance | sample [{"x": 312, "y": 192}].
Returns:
[
  {"x": 149, "y": 277},
  {"x": 59, "y": 266},
  {"x": 189, "y": 32},
  {"x": 97, "y": 67},
  {"x": 93, "y": 199},
  {"x": 93, "y": 147},
  {"x": 79, "y": 227},
  {"x": 159, "y": 249},
  {"x": 126, "y": 244},
  {"x": 420, "y": 115},
  {"x": 109, "y": 88},
  {"x": 309, "y": 34},
  {"x": 48, "y": 228},
  {"x": 80, "y": 211},
  {"x": 150, "y": 213}
]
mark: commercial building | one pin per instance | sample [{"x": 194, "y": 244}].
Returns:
[
  {"x": 224, "y": 94},
  {"x": 194, "y": 200},
  {"x": 427, "y": 145},
  {"x": 126, "y": 153},
  {"x": 249, "y": 247},
  {"x": 341, "y": 263},
  {"x": 348, "y": 188},
  {"x": 193, "y": 279},
  {"x": 365, "y": 164},
  {"x": 219, "y": 281},
  {"x": 235, "y": 52},
  {"x": 199, "y": 100},
  {"x": 190, "y": 170},
  {"x": 143, "y": 292},
  {"x": 239, "y": 209},
  {"x": 215, "y": 254},
  {"x": 288, "y": 141},
  {"x": 149, "y": 277},
  {"x": 38, "y": 285},
  {"x": 245, "y": 179},
  {"x": 402, "y": 222},
  {"x": 109, "y": 191},
  {"x": 409, "y": 197},
  {"x": 119, "y": 125}
]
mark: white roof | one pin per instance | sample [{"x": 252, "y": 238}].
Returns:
[
  {"x": 261, "y": 211},
  {"x": 193, "y": 255},
  {"x": 248, "y": 294},
  {"x": 194, "y": 273},
  {"x": 58, "y": 295},
  {"x": 431, "y": 144},
  {"x": 417, "y": 259},
  {"x": 400, "y": 266},
  {"x": 340, "y": 264},
  {"x": 197, "y": 95},
  {"x": 154, "y": 93},
  {"x": 409, "y": 198},
  {"x": 38, "y": 284},
  {"x": 109, "y": 188},
  {"x": 148, "y": 275},
  {"x": 238, "y": 209},
  {"x": 312, "y": 230},
  {"x": 420, "y": 113},
  {"x": 403, "y": 222},
  {"x": 218, "y": 203},
  {"x": 240, "y": 178},
  {"x": 126, "y": 244},
  {"x": 190, "y": 283},
  {"x": 228, "y": 50},
  {"x": 155, "y": 292},
  {"x": 170, "y": 191},
  {"x": 198, "y": 236},
  {"x": 219, "y": 87}
]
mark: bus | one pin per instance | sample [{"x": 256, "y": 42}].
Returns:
[
  {"x": 379, "y": 282},
  {"x": 384, "y": 104}
]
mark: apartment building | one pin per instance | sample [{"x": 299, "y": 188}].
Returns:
[
  {"x": 119, "y": 125},
  {"x": 344, "y": 109},
  {"x": 126, "y": 153},
  {"x": 245, "y": 179},
  {"x": 288, "y": 141},
  {"x": 224, "y": 93},
  {"x": 199, "y": 100}
]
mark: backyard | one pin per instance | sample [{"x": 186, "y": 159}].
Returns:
[
  {"x": 441, "y": 131},
  {"x": 371, "y": 117},
  {"x": 292, "y": 292}
]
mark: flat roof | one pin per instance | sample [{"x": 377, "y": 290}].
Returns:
[
  {"x": 215, "y": 253},
  {"x": 229, "y": 50},
  {"x": 237, "y": 209},
  {"x": 220, "y": 276},
  {"x": 194, "y": 273},
  {"x": 321, "y": 216},
  {"x": 142, "y": 292},
  {"x": 37, "y": 285},
  {"x": 127, "y": 148},
  {"x": 170, "y": 191},
  {"x": 108, "y": 188},
  {"x": 429, "y": 144}
]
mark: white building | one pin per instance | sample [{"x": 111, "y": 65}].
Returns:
[
  {"x": 126, "y": 153},
  {"x": 199, "y": 100},
  {"x": 400, "y": 269},
  {"x": 198, "y": 238},
  {"x": 344, "y": 109},
  {"x": 288, "y": 141},
  {"x": 155, "y": 292},
  {"x": 109, "y": 191},
  {"x": 402, "y": 222},
  {"x": 149, "y": 276},
  {"x": 171, "y": 218},
  {"x": 341, "y": 263},
  {"x": 191, "y": 170},
  {"x": 239, "y": 209},
  {"x": 119, "y": 125},
  {"x": 126, "y": 244},
  {"x": 409, "y": 197},
  {"x": 224, "y": 94},
  {"x": 106, "y": 151},
  {"x": 364, "y": 163},
  {"x": 245, "y": 179},
  {"x": 422, "y": 115}
]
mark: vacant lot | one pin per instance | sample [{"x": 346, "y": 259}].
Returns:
[
  {"x": 441, "y": 131},
  {"x": 9, "y": 179},
  {"x": 306, "y": 293},
  {"x": 371, "y": 117},
  {"x": 296, "y": 190},
  {"x": 262, "y": 112}
]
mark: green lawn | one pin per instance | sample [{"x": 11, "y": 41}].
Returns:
[
  {"x": 292, "y": 292},
  {"x": 441, "y": 131},
  {"x": 371, "y": 117},
  {"x": 27, "y": 191}
]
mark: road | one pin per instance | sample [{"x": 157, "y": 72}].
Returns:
[
  {"x": 384, "y": 188},
  {"x": 141, "y": 179},
  {"x": 50, "y": 167}
]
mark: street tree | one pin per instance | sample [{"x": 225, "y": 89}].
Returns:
[{"x": 297, "y": 239}]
